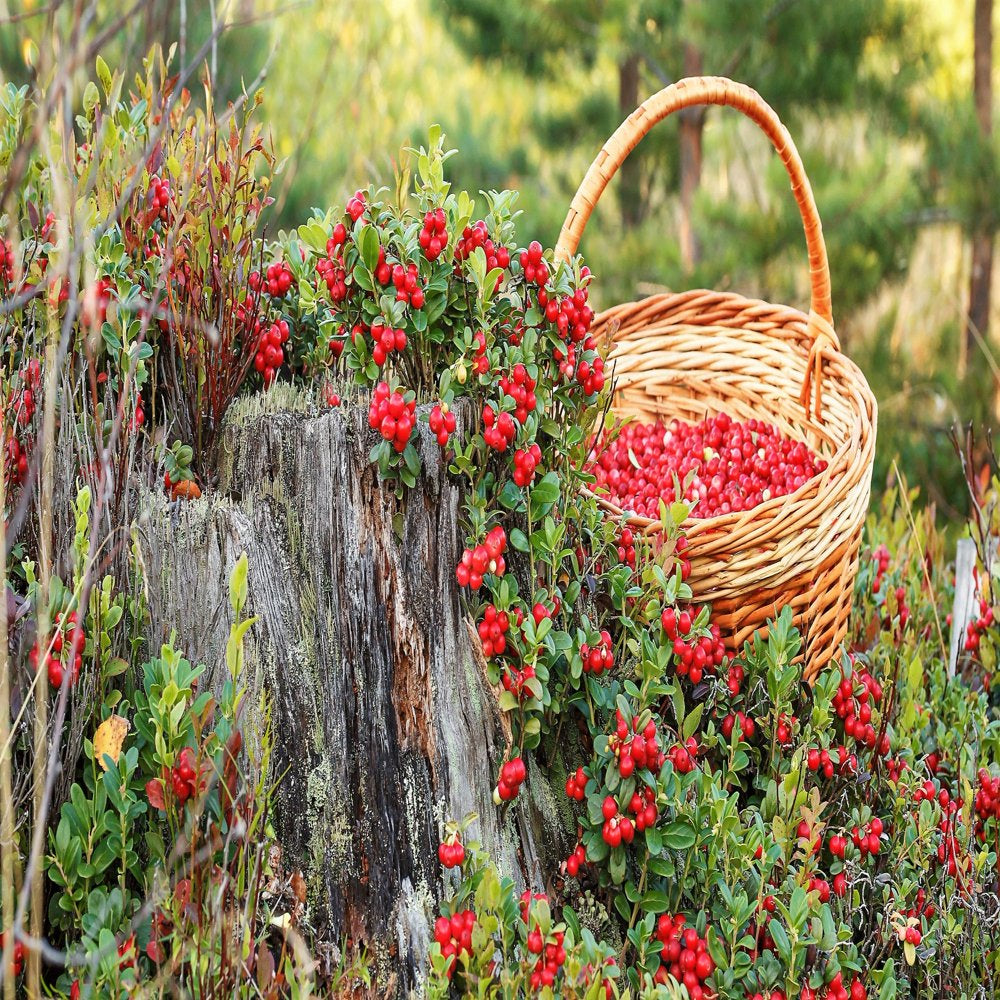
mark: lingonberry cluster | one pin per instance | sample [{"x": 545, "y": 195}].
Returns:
[
  {"x": 386, "y": 341},
  {"x": 575, "y": 861},
  {"x": 854, "y": 701},
  {"x": 184, "y": 775},
  {"x": 626, "y": 547},
  {"x": 442, "y": 423},
  {"x": 454, "y": 935},
  {"x": 519, "y": 387},
  {"x": 499, "y": 429},
  {"x": 600, "y": 657},
  {"x": 270, "y": 354},
  {"x": 642, "y": 806},
  {"x": 881, "y": 558},
  {"x": 748, "y": 728},
  {"x": 548, "y": 957},
  {"x": 590, "y": 375},
  {"x": 392, "y": 415},
  {"x": 634, "y": 745},
  {"x": 735, "y": 675},
  {"x": 512, "y": 776},
  {"x": 18, "y": 953},
  {"x": 8, "y": 264},
  {"x": 697, "y": 651},
  {"x": 722, "y": 465},
  {"x": 493, "y": 631},
  {"x": 276, "y": 280},
  {"x": 184, "y": 779},
  {"x": 923, "y": 907},
  {"x": 159, "y": 195},
  {"x": 867, "y": 838},
  {"x": 515, "y": 680},
  {"x": 684, "y": 756},
  {"x": 331, "y": 268},
  {"x": 356, "y": 205},
  {"x": 64, "y": 655},
  {"x": 836, "y": 989},
  {"x": 950, "y": 851},
  {"x": 533, "y": 264},
  {"x": 18, "y": 414},
  {"x": 487, "y": 557},
  {"x": 96, "y": 299},
  {"x": 21, "y": 400},
  {"x": 617, "y": 828},
  {"x": 451, "y": 851},
  {"x": 576, "y": 785},
  {"x": 526, "y": 461},
  {"x": 987, "y": 801},
  {"x": 15, "y": 457},
  {"x": 784, "y": 728},
  {"x": 684, "y": 957},
  {"x": 820, "y": 760},
  {"x": 480, "y": 359},
  {"x": 407, "y": 283},
  {"x": 978, "y": 626},
  {"x": 477, "y": 236},
  {"x": 433, "y": 235},
  {"x": 570, "y": 313}
]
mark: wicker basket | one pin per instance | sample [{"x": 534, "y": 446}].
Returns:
[{"x": 699, "y": 353}]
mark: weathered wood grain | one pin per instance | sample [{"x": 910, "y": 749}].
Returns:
[{"x": 383, "y": 720}]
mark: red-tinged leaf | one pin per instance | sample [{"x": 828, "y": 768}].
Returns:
[{"x": 154, "y": 792}]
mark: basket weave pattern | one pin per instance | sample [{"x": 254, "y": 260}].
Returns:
[{"x": 699, "y": 353}]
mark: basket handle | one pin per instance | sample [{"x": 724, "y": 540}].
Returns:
[{"x": 719, "y": 90}]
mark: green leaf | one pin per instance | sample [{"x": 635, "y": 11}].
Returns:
[
  {"x": 780, "y": 937},
  {"x": 518, "y": 540},
  {"x": 616, "y": 865},
  {"x": 679, "y": 835},
  {"x": 508, "y": 703},
  {"x": 546, "y": 490},
  {"x": 104, "y": 75},
  {"x": 369, "y": 246},
  {"x": 238, "y": 584},
  {"x": 362, "y": 278},
  {"x": 692, "y": 721},
  {"x": 511, "y": 496},
  {"x": 655, "y": 902},
  {"x": 90, "y": 97},
  {"x": 412, "y": 458}
]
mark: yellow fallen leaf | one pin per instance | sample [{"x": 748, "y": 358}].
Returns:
[{"x": 108, "y": 739}]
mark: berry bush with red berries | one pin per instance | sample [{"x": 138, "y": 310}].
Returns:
[
  {"x": 743, "y": 834},
  {"x": 726, "y": 830}
]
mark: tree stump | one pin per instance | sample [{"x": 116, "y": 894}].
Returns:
[{"x": 383, "y": 720}]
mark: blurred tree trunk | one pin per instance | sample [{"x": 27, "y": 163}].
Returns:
[
  {"x": 691, "y": 128},
  {"x": 978, "y": 318},
  {"x": 628, "y": 101}
]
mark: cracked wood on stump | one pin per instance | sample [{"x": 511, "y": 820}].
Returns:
[{"x": 381, "y": 713}]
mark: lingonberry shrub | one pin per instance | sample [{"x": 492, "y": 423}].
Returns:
[
  {"x": 440, "y": 304},
  {"x": 173, "y": 812},
  {"x": 756, "y": 837},
  {"x": 491, "y": 940}
]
